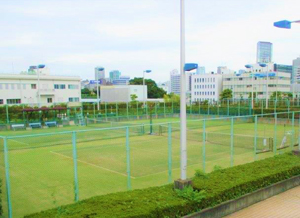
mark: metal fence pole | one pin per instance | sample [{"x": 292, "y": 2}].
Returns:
[
  {"x": 76, "y": 187},
  {"x": 203, "y": 147},
  {"x": 208, "y": 109},
  {"x": 105, "y": 105},
  {"x": 293, "y": 130},
  {"x": 128, "y": 159},
  {"x": 127, "y": 110},
  {"x": 155, "y": 109},
  {"x": 262, "y": 107},
  {"x": 117, "y": 113},
  {"x": 231, "y": 143},
  {"x": 137, "y": 109},
  {"x": 190, "y": 108},
  {"x": 7, "y": 115},
  {"x": 239, "y": 108},
  {"x": 199, "y": 108},
  {"x": 170, "y": 152},
  {"x": 164, "y": 109},
  {"x": 275, "y": 135},
  {"x": 172, "y": 108},
  {"x": 94, "y": 109},
  {"x": 255, "y": 139},
  {"x": 7, "y": 178},
  {"x": 299, "y": 132},
  {"x": 227, "y": 107}
]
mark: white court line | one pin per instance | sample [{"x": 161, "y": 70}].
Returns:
[
  {"x": 179, "y": 167},
  {"x": 94, "y": 165},
  {"x": 18, "y": 142}
]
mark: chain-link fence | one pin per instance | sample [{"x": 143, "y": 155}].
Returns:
[{"x": 42, "y": 171}]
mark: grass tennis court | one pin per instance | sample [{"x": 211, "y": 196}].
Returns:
[{"x": 42, "y": 164}]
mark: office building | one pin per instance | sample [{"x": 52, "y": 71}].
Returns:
[
  {"x": 38, "y": 88},
  {"x": 241, "y": 84},
  {"x": 206, "y": 87},
  {"x": 99, "y": 73},
  {"x": 114, "y": 75},
  {"x": 123, "y": 80},
  {"x": 296, "y": 71},
  {"x": 264, "y": 52},
  {"x": 175, "y": 82},
  {"x": 122, "y": 93}
]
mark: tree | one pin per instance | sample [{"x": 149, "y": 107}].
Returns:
[
  {"x": 153, "y": 90},
  {"x": 85, "y": 91},
  {"x": 226, "y": 94},
  {"x": 171, "y": 97},
  {"x": 133, "y": 97}
]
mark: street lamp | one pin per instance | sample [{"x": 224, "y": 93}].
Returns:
[
  {"x": 285, "y": 24},
  {"x": 145, "y": 71},
  {"x": 267, "y": 93},
  {"x": 249, "y": 66}
]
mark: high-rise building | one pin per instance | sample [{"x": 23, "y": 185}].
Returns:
[
  {"x": 296, "y": 71},
  {"x": 114, "y": 75},
  {"x": 99, "y": 73},
  {"x": 264, "y": 52},
  {"x": 175, "y": 81}
]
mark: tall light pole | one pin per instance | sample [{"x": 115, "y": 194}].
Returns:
[
  {"x": 97, "y": 85},
  {"x": 145, "y": 71},
  {"x": 249, "y": 66},
  {"x": 183, "y": 153},
  {"x": 39, "y": 94}
]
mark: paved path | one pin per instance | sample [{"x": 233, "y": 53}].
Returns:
[{"x": 284, "y": 205}]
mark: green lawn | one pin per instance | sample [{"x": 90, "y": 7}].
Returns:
[{"x": 41, "y": 166}]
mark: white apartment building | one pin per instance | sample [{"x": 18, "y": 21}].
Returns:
[
  {"x": 121, "y": 93},
  {"x": 206, "y": 87},
  {"x": 241, "y": 84},
  {"x": 296, "y": 70},
  {"x": 38, "y": 88}
]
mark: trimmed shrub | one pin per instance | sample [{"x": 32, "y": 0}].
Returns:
[{"x": 209, "y": 190}]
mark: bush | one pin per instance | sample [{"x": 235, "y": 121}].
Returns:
[{"x": 209, "y": 190}]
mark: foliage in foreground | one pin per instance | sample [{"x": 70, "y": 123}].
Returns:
[{"x": 209, "y": 190}]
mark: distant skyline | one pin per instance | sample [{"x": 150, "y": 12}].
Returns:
[{"x": 73, "y": 37}]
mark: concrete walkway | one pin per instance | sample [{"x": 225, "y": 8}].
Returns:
[{"x": 284, "y": 205}]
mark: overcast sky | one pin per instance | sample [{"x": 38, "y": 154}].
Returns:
[{"x": 72, "y": 37}]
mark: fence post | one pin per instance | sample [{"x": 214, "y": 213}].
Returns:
[
  {"x": 275, "y": 135},
  {"x": 137, "y": 109},
  {"x": 7, "y": 115},
  {"x": 227, "y": 107},
  {"x": 155, "y": 109},
  {"x": 262, "y": 106},
  {"x": 170, "y": 152},
  {"x": 172, "y": 108},
  {"x": 76, "y": 187},
  {"x": 7, "y": 178},
  {"x": 299, "y": 132},
  {"x": 105, "y": 104},
  {"x": 203, "y": 147},
  {"x": 239, "y": 108},
  {"x": 199, "y": 108},
  {"x": 164, "y": 109},
  {"x": 128, "y": 159},
  {"x": 231, "y": 143},
  {"x": 255, "y": 139},
  {"x": 146, "y": 109},
  {"x": 208, "y": 109},
  {"x": 117, "y": 113},
  {"x": 94, "y": 109},
  {"x": 293, "y": 129},
  {"x": 219, "y": 109},
  {"x": 127, "y": 110}
]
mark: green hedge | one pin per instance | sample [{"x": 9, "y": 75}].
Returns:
[{"x": 214, "y": 188}]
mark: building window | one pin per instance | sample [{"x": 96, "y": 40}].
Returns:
[
  {"x": 1, "y": 101},
  {"x": 24, "y": 86},
  {"x": 12, "y": 86},
  {"x": 33, "y": 86},
  {"x": 59, "y": 86},
  {"x": 73, "y": 86},
  {"x": 13, "y": 101},
  {"x": 49, "y": 100},
  {"x": 73, "y": 99},
  {"x": 6, "y": 86},
  {"x": 19, "y": 86},
  {"x": 0, "y": 86}
]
